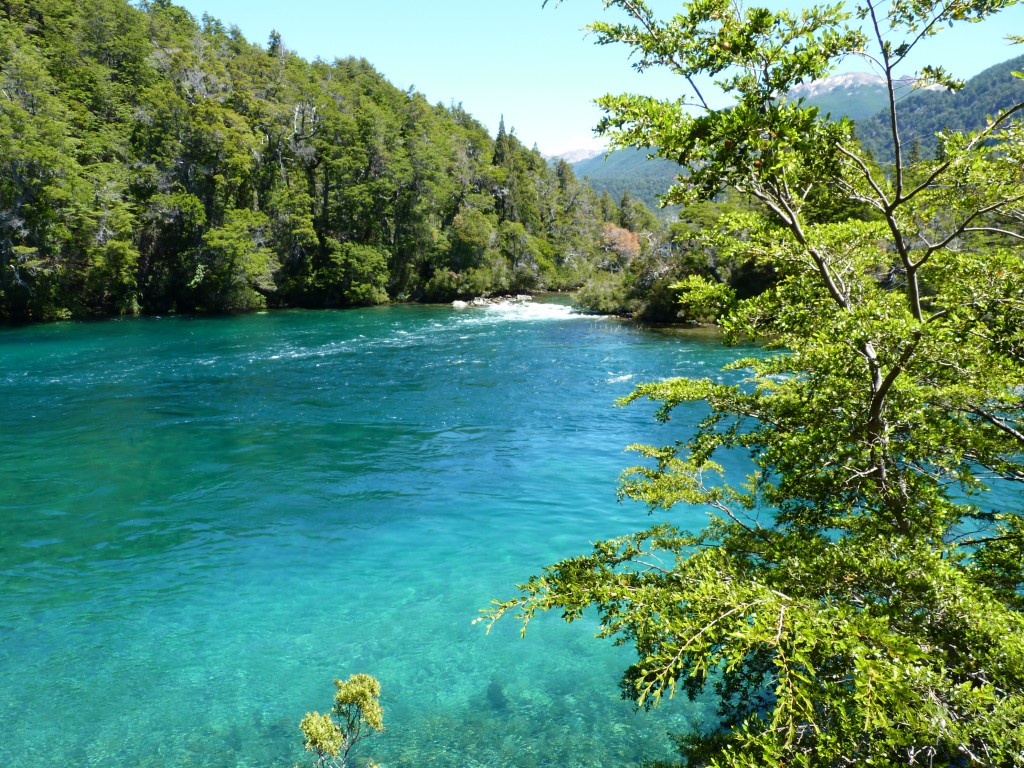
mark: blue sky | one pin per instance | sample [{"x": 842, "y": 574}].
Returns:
[{"x": 534, "y": 65}]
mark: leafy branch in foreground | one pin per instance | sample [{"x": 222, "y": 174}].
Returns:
[
  {"x": 357, "y": 706},
  {"x": 857, "y": 599}
]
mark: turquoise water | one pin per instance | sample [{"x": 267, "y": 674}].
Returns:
[{"x": 204, "y": 521}]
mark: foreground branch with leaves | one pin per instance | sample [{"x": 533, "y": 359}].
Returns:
[
  {"x": 858, "y": 600},
  {"x": 357, "y": 707}
]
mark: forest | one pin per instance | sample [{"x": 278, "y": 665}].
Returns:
[{"x": 154, "y": 163}]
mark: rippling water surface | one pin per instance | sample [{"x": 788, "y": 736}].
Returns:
[{"x": 204, "y": 521}]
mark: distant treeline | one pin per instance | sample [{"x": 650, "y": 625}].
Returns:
[
  {"x": 150, "y": 162},
  {"x": 632, "y": 171}
]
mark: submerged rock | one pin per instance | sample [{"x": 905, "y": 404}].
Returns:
[{"x": 496, "y": 696}]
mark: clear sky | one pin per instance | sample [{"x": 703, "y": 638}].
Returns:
[{"x": 534, "y": 65}]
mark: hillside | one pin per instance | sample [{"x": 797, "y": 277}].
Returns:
[
  {"x": 630, "y": 170},
  {"x": 150, "y": 162},
  {"x": 858, "y": 95},
  {"x": 854, "y": 94},
  {"x": 924, "y": 113}
]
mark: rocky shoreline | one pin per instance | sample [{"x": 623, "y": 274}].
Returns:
[{"x": 490, "y": 301}]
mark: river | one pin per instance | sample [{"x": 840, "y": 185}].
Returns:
[{"x": 203, "y": 521}]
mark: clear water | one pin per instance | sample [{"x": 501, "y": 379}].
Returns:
[{"x": 204, "y": 521}]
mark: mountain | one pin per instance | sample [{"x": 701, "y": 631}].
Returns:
[
  {"x": 854, "y": 94},
  {"x": 857, "y": 95},
  {"x": 860, "y": 96},
  {"x": 629, "y": 170},
  {"x": 925, "y": 112},
  {"x": 576, "y": 155}
]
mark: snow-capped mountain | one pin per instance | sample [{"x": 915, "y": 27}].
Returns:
[
  {"x": 847, "y": 81},
  {"x": 576, "y": 155},
  {"x": 854, "y": 94}
]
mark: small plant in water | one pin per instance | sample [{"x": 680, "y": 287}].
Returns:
[{"x": 357, "y": 706}]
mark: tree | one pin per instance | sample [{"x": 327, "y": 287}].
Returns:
[
  {"x": 858, "y": 599},
  {"x": 635, "y": 216},
  {"x": 153, "y": 162},
  {"x": 235, "y": 265},
  {"x": 357, "y": 706},
  {"x": 354, "y": 275}
]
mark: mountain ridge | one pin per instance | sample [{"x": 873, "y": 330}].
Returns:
[
  {"x": 861, "y": 96},
  {"x": 927, "y": 111},
  {"x": 630, "y": 171}
]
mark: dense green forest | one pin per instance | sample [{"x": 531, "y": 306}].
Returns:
[
  {"x": 647, "y": 286},
  {"x": 155, "y": 163}
]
